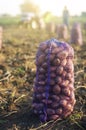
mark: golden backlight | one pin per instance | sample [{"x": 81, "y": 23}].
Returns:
[{"x": 55, "y": 6}]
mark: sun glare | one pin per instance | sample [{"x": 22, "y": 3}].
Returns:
[{"x": 54, "y": 6}]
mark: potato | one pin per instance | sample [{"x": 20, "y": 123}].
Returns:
[
  {"x": 47, "y": 51},
  {"x": 58, "y": 80},
  {"x": 69, "y": 66},
  {"x": 72, "y": 98},
  {"x": 53, "y": 69},
  {"x": 34, "y": 105},
  {"x": 42, "y": 83},
  {"x": 52, "y": 82},
  {"x": 50, "y": 111},
  {"x": 62, "y": 97},
  {"x": 59, "y": 70},
  {"x": 42, "y": 71},
  {"x": 56, "y": 62},
  {"x": 55, "y": 50},
  {"x": 43, "y": 46},
  {"x": 64, "y": 74},
  {"x": 53, "y": 44},
  {"x": 71, "y": 80},
  {"x": 65, "y": 83},
  {"x": 73, "y": 102},
  {"x": 63, "y": 54},
  {"x": 41, "y": 105},
  {"x": 55, "y": 98},
  {"x": 63, "y": 62},
  {"x": 63, "y": 103},
  {"x": 38, "y": 106},
  {"x": 69, "y": 61},
  {"x": 44, "y": 101},
  {"x": 66, "y": 91},
  {"x": 56, "y": 89},
  {"x": 39, "y": 96},
  {"x": 54, "y": 104},
  {"x": 41, "y": 59},
  {"x": 54, "y": 117},
  {"x": 50, "y": 57},
  {"x": 69, "y": 107},
  {"x": 41, "y": 76},
  {"x": 68, "y": 76},
  {"x": 47, "y": 101},
  {"x": 52, "y": 75},
  {"x": 43, "y": 95},
  {"x": 40, "y": 89},
  {"x": 44, "y": 65},
  {"x": 69, "y": 69},
  {"x": 59, "y": 111}
]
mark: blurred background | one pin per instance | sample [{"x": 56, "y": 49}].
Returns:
[{"x": 16, "y": 11}]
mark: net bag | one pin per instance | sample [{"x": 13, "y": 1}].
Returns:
[
  {"x": 62, "y": 32},
  {"x": 76, "y": 34},
  {"x": 53, "y": 96}
]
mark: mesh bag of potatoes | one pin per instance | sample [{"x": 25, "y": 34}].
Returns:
[
  {"x": 62, "y": 32},
  {"x": 53, "y": 96},
  {"x": 76, "y": 34}
]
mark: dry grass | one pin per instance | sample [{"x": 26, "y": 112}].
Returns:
[{"x": 17, "y": 72}]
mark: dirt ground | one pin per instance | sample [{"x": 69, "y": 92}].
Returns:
[{"x": 17, "y": 72}]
